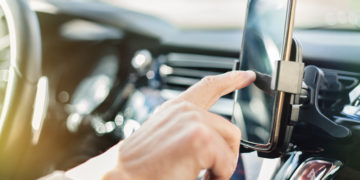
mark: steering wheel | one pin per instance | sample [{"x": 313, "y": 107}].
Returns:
[{"x": 20, "y": 88}]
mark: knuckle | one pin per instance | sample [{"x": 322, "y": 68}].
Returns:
[
  {"x": 194, "y": 115},
  {"x": 208, "y": 80},
  {"x": 184, "y": 108},
  {"x": 200, "y": 136},
  {"x": 190, "y": 117}
]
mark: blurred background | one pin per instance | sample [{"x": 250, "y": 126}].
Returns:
[{"x": 229, "y": 14}]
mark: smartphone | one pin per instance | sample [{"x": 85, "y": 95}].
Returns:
[{"x": 267, "y": 38}]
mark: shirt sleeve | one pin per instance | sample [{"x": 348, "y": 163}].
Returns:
[{"x": 56, "y": 175}]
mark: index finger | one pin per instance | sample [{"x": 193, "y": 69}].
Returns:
[{"x": 206, "y": 92}]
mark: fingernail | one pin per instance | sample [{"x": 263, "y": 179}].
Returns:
[{"x": 251, "y": 73}]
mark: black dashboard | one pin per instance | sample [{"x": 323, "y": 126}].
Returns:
[{"x": 326, "y": 48}]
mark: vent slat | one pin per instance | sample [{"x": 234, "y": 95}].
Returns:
[
  {"x": 192, "y": 73},
  {"x": 183, "y": 81},
  {"x": 179, "y": 71},
  {"x": 201, "y": 61}
]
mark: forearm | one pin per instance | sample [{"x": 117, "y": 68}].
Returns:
[{"x": 93, "y": 169}]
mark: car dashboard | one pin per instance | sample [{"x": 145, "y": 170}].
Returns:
[{"x": 77, "y": 37}]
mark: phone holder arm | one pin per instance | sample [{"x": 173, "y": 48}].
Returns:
[{"x": 310, "y": 112}]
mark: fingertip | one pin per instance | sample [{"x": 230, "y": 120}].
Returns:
[
  {"x": 245, "y": 78},
  {"x": 251, "y": 74}
]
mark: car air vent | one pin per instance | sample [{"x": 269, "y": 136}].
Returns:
[
  {"x": 179, "y": 71},
  {"x": 335, "y": 89}
]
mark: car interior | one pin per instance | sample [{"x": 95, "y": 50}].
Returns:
[{"x": 105, "y": 66}]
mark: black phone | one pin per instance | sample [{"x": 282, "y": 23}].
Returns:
[{"x": 267, "y": 38}]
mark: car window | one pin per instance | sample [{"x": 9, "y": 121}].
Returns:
[{"x": 230, "y": 14}]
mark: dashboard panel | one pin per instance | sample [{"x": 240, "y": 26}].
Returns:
[{"x": 326, "y": 48}]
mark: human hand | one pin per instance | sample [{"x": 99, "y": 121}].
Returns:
[{"x": 180, "y": 139}]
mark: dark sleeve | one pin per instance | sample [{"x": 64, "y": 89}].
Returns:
[
  {"x": 239, "y": 173},
  {"x": 56, "y": 175}
]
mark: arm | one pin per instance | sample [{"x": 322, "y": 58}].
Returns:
[{"x": 178, "y": 140}]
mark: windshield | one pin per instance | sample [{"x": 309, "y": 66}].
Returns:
[{"x": 230, "y": 14}]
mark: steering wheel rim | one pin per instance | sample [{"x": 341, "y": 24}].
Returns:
[{"x": 22, "y": 77}]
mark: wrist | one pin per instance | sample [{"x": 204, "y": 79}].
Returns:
[{"x": 98, "y": 167}]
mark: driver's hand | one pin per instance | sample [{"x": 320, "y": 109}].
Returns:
[{"x": 179, "y": 140}]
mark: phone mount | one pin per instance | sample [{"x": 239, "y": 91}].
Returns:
[
  {"x": 287, "y": 79},
  {"x": 301, "y": 87},
  {"x": 293, "y": 78},
  {"x": 310, "y": 112}
]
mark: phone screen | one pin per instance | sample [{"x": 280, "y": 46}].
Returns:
[{"x": 263, "y": 39}]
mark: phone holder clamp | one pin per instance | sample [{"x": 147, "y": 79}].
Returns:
[{"x": 310, "y": 111}]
